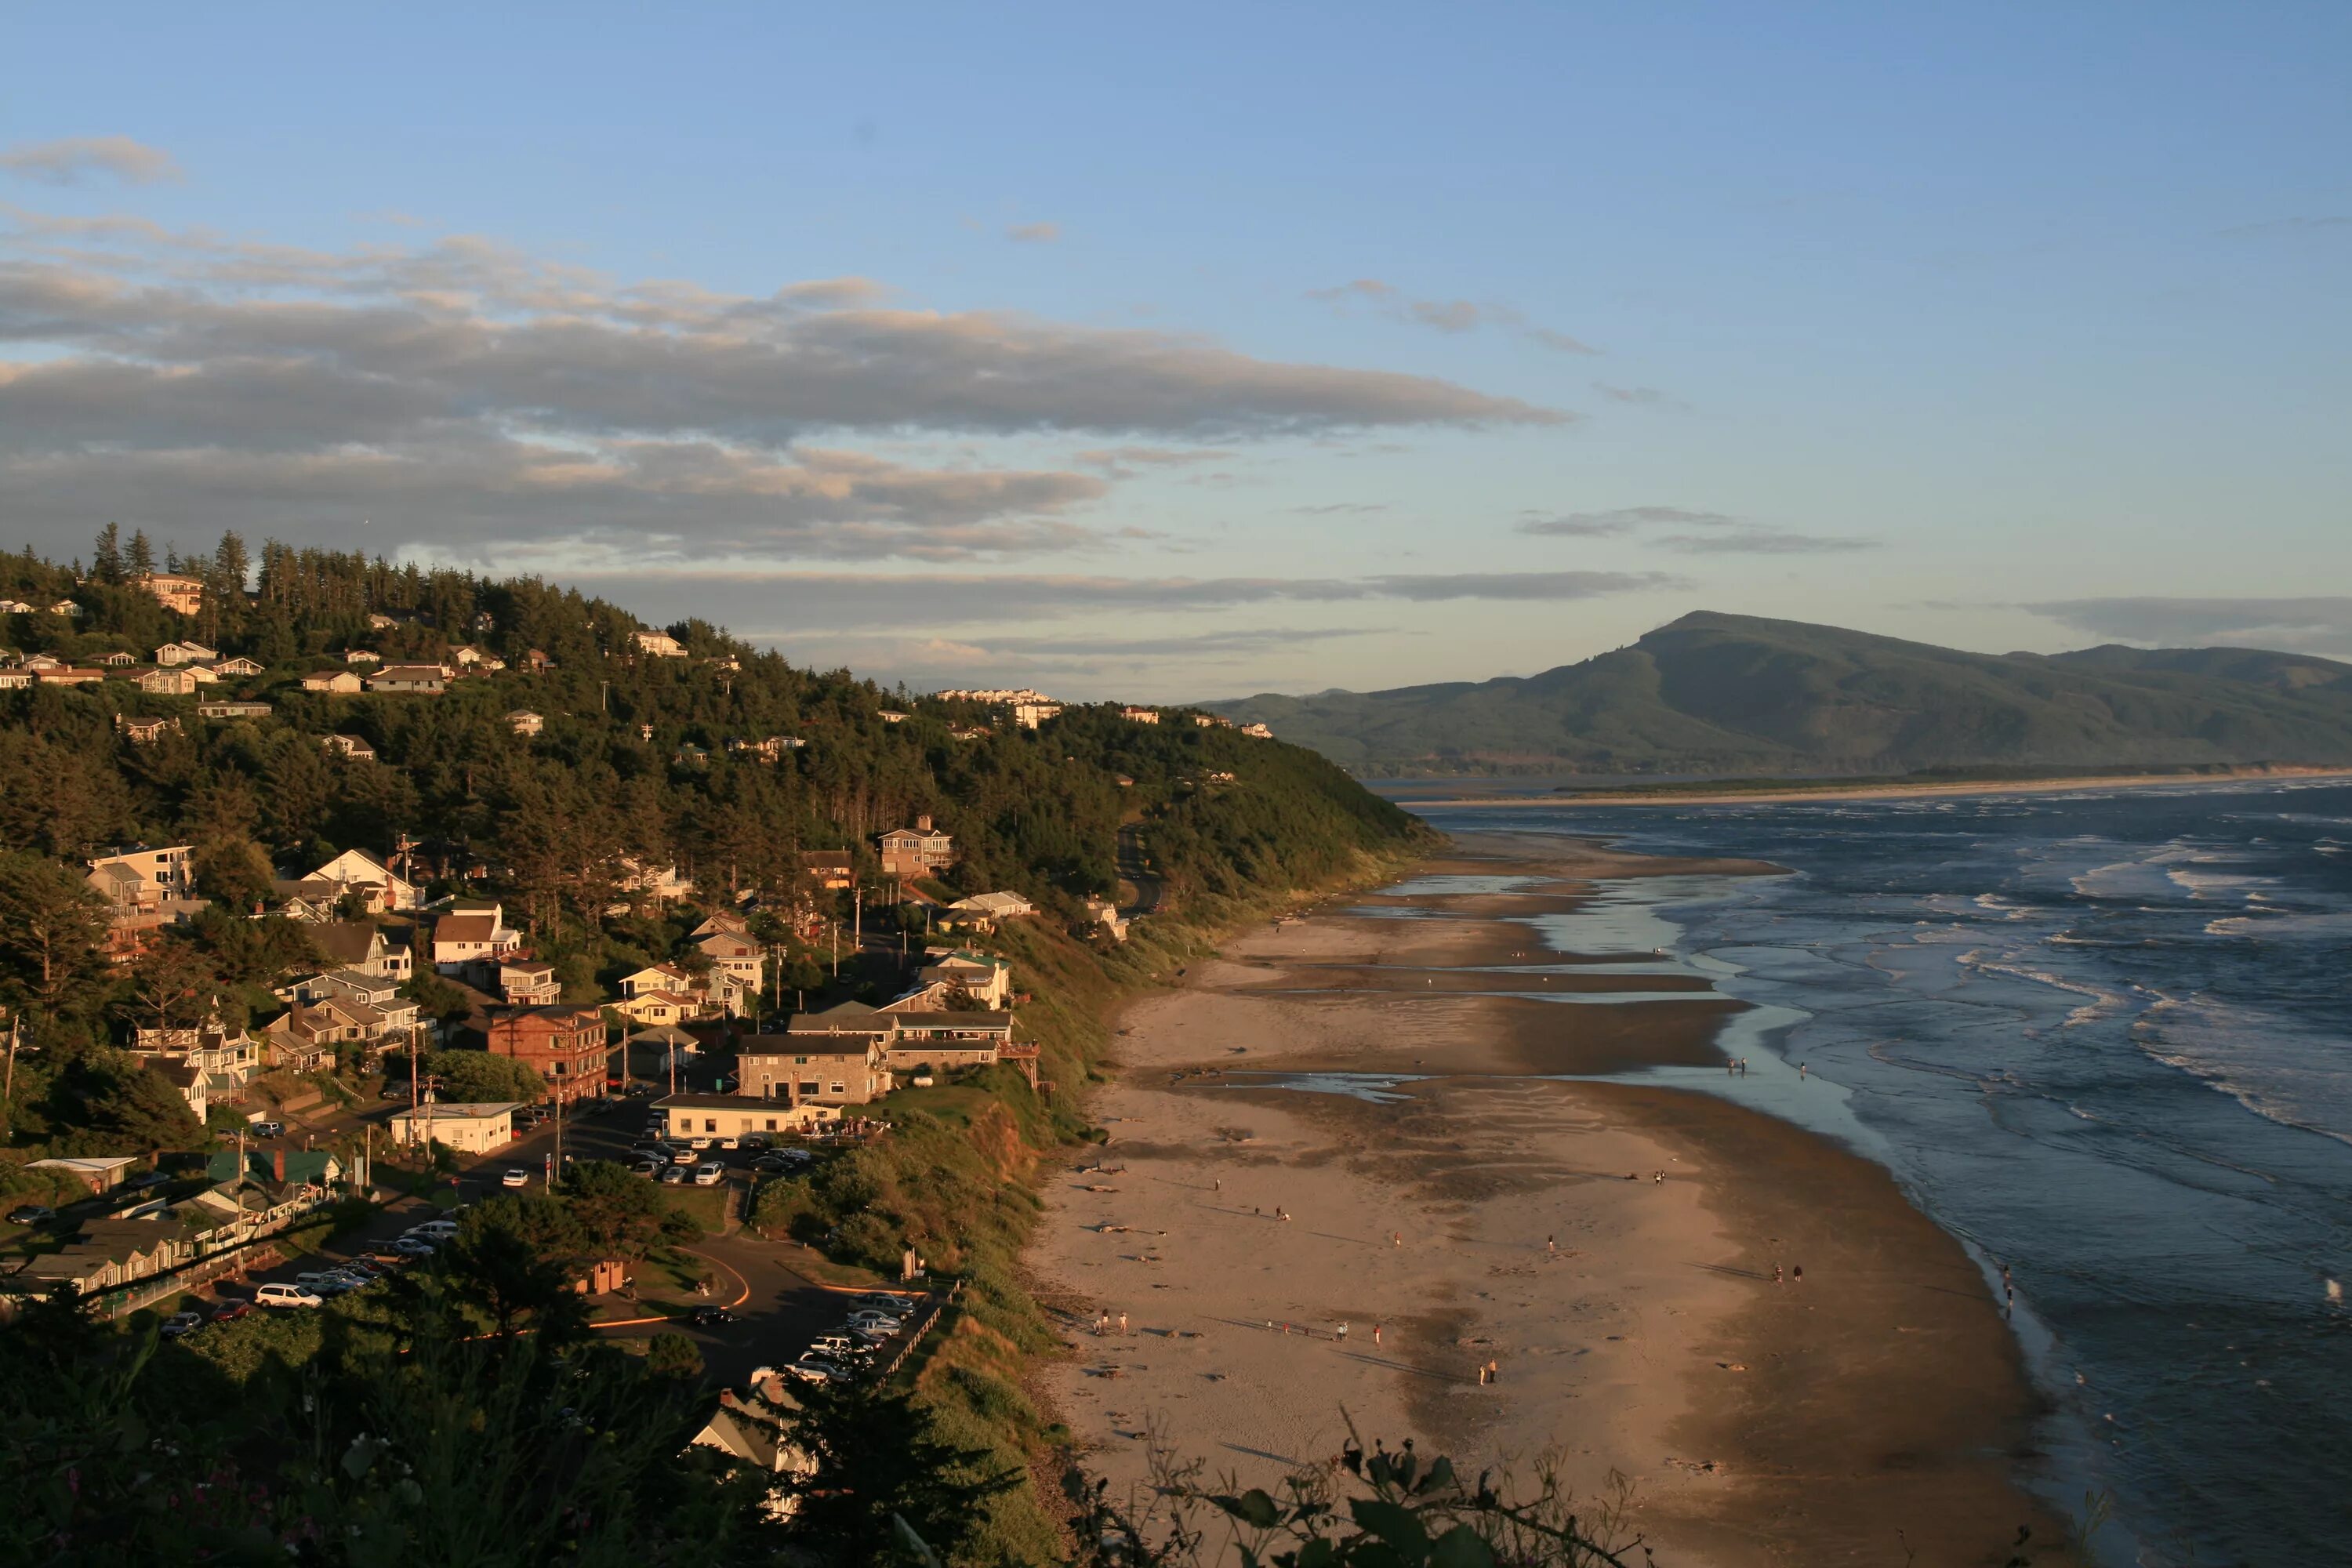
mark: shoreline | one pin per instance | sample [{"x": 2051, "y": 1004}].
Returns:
[
  {"x": 1481, "y": 1211},
  {"x": 1832, "y": 790}
]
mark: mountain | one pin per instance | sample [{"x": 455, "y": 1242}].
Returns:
[{"x": 1716, "y": 694}]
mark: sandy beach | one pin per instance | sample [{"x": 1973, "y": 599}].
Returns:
[
  {"x": 1289, "y": 1260},
  {"x": 1832, "y": 790}
]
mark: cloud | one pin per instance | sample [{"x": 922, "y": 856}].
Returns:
[
  {"x": 1640, "y": 396},
  {"x": 1624, "y": 521},
  {"x": 76, "y": 158},
  {"x": 1725, "y": 535},
  {"x": 759, "y": 598},
  {"x": 466, "y": 394},
  {"x": 1034, "y": 232},
  {"x": 1450, "y": 316},
  {"x": 1745, "y": 539},
  {"x": 2286, "y": 226},
  {"x": 2317, "y": 625},
  {"x": 1340, "y": 508}
]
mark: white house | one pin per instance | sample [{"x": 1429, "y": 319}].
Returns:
[
  {"x": 470, "y": 1126},
  {"x": 355, "y": 867},
  {"x": 661, "y": 645}
]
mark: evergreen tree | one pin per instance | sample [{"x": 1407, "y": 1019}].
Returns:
[{"x": 106, "y": 563}]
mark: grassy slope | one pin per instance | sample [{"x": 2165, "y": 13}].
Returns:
[{"x": 1719, "y": 694}]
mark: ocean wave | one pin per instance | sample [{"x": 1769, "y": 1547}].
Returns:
[
  {"x": 2309, "y": 925},
  {"x": 2271, "y": 1064},
  {"x": 2102, "y": 1002}
]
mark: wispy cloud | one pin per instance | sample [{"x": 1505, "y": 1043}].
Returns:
[
  {"x": 1034, "y": 232},
  {"x": 1340, "y": 508},
  {"x": 76, "y": 158},
  {"x": 1445, "y": 315},
  {"x": 2316, "y": 625},
  {"x": 1637, "y": 397},
  {"x": 1622, "y": 521},
  {"x": 1725, "y": 535}
]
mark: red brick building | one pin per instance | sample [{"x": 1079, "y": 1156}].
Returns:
[{"x": 565, "y": 1046}]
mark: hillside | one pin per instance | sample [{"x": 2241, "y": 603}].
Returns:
[{"x": 1715, "y": 694}]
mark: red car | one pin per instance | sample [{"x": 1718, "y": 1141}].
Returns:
[{"x": 230, "y": 1311}]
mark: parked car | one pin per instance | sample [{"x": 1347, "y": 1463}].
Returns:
[
  {"x": 414, "y": 1246},
  {"x": 437, "y": 1225},
  {"x": 269, "y": 1130},
  {"x": 325, "y": 1282},
  {"x": 723, "y": 1142},
  {"x": 288, "y": 1296},
  {"x": 393, "y": 1091},
  {"x": 709, "y": 1173},
  {"x": 674, "y": 1177},
  {"x": 684, "y": 1156},
  {"x": 647, "y": 1168},
  {"x": 706, "y": 1317},
  {"x": 230, "y": 1311},
  {"x": 700, "y": 1140},
  {"x": 31, "y": 1213},
  {"x": 832, "y": 1345},
  {"x": 774, "y": 1164},
  {"x": 868, "y": 1334},
  {"x": 180, "y": 1323},
  {"x": 817, "y": 1369},
  {"x": 516, "y": 1177},
  {"x": 870, "y": 1318},
  {"x": 882, "y": 1301},
  {"x": 757, "y": 1140}
]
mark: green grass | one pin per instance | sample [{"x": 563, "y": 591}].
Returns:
[{"x": 706, "y": 1206}]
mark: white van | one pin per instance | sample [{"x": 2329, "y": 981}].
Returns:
[{"x": 286, "y": 1296}]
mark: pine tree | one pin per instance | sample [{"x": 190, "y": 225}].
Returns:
[
  {"x": 141, "y": 561},
  {"x": 106, "y": 564}
]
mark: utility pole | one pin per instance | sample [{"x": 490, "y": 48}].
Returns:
[{"x": 8, "y": 1092}]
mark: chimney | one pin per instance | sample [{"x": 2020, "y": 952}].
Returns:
[
  {"x": 277, "y": 1166},
  {"x": 923, "y": 823}
]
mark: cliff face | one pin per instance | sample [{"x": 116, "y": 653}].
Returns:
[{"x": 1737, "y": 695}]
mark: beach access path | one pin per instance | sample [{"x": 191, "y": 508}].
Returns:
[{"x": 1518, "y": 1271}]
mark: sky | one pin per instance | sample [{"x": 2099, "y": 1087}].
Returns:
[{"x": 1157, "y": 354}]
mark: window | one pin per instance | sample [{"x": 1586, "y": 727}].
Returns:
[
  {"x": 809, "y": 1086},
  {"x": 772, "y": 1124},
  {"x": 840, "y": 1088},
  {"x": 710, "y": 1124}
]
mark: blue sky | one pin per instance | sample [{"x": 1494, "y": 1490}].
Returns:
[{"x": 1168, "y": 354}]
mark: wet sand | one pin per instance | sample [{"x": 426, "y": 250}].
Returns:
[
  {"x": 1831, "y": 789},
  {"x": 1472, "y": 1214}
]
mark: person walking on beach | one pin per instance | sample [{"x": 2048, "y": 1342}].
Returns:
[
  {"x": 1122, "y": 1323},
  {"x": 1801, "y": 1070},
  {"x": 1551, "y": 1247},
  {"x": 1396, "y": 1239},
  {"x": 1797, "y": 1275},
  {"x": 1494, "y": 1371},
  {"x": 1341, "y": 1334},
  {"x": 1775, "y": 1274},
  {"x": 1376, "y": 1334},
  {"x": 1660, "y": 1178}
]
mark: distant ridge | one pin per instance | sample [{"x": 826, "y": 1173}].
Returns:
[{"x": 1715, "y": 694}]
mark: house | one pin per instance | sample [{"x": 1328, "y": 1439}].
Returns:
[
  {"x": 892, "y": 715},
  {"x": 369, "y": 948},
  {"x": 424, "y": 680},
  {"x": 228, "y": 1057},
  {"x": 96, "y": 1172},
  {"x": 661, "y": 645},
  {"x": 725, "y": 920},
  {"x": 183, "y": 595},
  {"x": 170, "y": 871},
  {"x": 732, "y": 1115},
  {"x": 352, "y": 748},
  {"x": 357, "y": 867},
  {"x": 565, "y": 1046},
  {"x": 660, "y": 883},
  {"x": 916, "y": 851},
  {"x": 657, "y": 977},
  {"x": 1257, "y": 731},
  {"x": 690, "y": 755},
  {"x": 304, "y": 1039},
  {"x": 181, "y": 682},
  {"x": 995, "y": 906},
  {"x": 178, "y": 653},
  {"x": 747, "y": 1429},
  {"x": 15, "y": 679},
  {"x": 657, "y": 1009},
  {"x": 146, "y": 732},
  {"x": 341, "y": 681},
  {"x": 983, "y": 977},
  {"x": 233, "y": 709},
  {"x": 395, "y": 1020},
  {"x": 380, "y": 622},
  {"x": 64, "y": 608},
  {"x": 534, "y": 662},
  {"x": 15, "y": 607},
  {"x": 204, "y": 673},
  {"x": 361, "y": 656},
  {"x": 767, "y": 751},
  {"x": 523, "y": 722},
  {"x": 468, "y": 657},
  {"x": 237, "y": 667},
  {"x": 116, "y": 661},
  {"x": 187, "y": 1083},
  {"x": 813, "y": 1069},
  {"x": 1104, "y": 914},
  {"x": 459, "y": 940},
  {"x": 62, "y": 675},
  {"x": 1140, "y": 715},
  {"x": 469, "y": 1126},
  {"x": 529, "y": 984},
  {"x": 41, "y": 661},
  {"x": 947, "y": 1040},
  {"x": 734, "y": 953},
  {"x": 828, "y": 868}
]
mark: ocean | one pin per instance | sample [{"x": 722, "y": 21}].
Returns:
[{"x": 2104, "y": 1038}]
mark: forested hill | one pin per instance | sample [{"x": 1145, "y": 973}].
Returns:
[
  {"x": 634, "y": 763},
  {"x": 1714, "y": 694}
]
